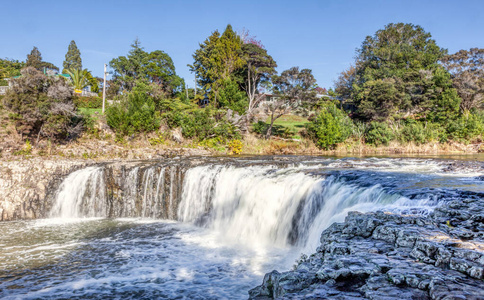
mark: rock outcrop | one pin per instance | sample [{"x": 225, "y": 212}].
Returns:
[
  {"x": 25, "y": 183},
  {"x": 386, "y": 256}
]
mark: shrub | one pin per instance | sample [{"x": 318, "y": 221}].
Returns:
[
  {"x": 378, "y": 134},
  {"x": 43, "y": 106},
  {"x": 88, "y": 102},
  {"x": 235, "y": 147},
  {"x": 27, "y": 150},
  {"x": 260, "y": 127},
  {"x": 207, "y": 123},
  {"x": 330, "y": 127},
  {"x": 413, "y": 131},
  {"x": 134, "y": 114},
  {"x": 466, "y": 127}
]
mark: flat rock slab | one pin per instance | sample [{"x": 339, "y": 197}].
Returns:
[{"x": 387, "y": 256}]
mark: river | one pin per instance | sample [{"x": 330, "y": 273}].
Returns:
[{"x": 214, "y": 233}]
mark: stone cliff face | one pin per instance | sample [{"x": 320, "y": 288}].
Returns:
[
  {"x": 25, "y": 184},
  {"x": 384, "y": 256},
  {"x": 129, "y": 188}
]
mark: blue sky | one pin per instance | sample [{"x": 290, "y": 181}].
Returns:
[{"x": 320, "y": 35}]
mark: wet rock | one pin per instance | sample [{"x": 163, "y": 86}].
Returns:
[{"x": 387, "y": 256}]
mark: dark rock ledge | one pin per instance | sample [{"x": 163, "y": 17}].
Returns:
[{"x": 387, "y": 256}]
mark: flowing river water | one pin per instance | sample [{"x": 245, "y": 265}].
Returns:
[{"x": 211, "y": 231}]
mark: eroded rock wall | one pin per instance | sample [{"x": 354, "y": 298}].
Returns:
[
  {"x": 25, "y": 183},
  {"x": 385, "y": 256}
]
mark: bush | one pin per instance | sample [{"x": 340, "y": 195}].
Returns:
[
  {"x": 207, "y": 123},
  {"x": 421, "y": 133},
  {"x": 413, "y": 131},
  {"x": 466, "y": 127},
  {"x": 378, "y": 134},
  {"x": 88, "y": 102},
  {"x": 134, "y": 114},
  {"x": 330, "y": 127},
  {"x": 42, "y": 105},
  {"x": 235, "y": 147},
  {"x": 230, "y": 96},
  {"x": 260, "y": 127}
]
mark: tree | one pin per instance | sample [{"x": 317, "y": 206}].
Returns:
[
  {"x": 399, "y": 68},
  {"x": 217, "y": 60},
  {"x": 467, "y": 70},
  {"x": 9, "y": 68},
  {"x": 93, "y": 81},
  {"x": 259, "y": 67},
  {"x": 42, "y": 106},
  {"x": 230, "y": 96},
  {"x": 330, "y": 127},
  {"x": 155, "y": 67},
  {"x": 34, "y": 59},
  {"x": 202, "y": 65},
  {"x": 78, "y": 78},
  {"x": 73, "y": 58},
  {"x": 344, "y": 84},
  {"x": 293, "y": 88}
]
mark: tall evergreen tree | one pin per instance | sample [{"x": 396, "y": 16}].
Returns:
[
  {"x": 398, "y": 75},
  {"x": 73, "y": 58},
  {"x": 217, "y": 59},
  {"x": 34, "y": 59},
  {"x": 156, "y": 67}
]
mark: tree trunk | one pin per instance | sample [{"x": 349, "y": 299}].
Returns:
[{"x": 269, "y": 130}]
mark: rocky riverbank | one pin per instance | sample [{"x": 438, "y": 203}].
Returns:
[
  {"x": 386, "y": 256},
  {"x": 25, "y": 183}
]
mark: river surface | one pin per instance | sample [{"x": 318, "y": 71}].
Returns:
[{"x": 233, "y": 221}]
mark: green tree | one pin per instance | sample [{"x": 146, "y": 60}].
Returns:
[
  {"x": 293, "y": 88},
  {"x": 34, "y": 59},
  {"x": 9, "y": 68},
  {"x": 217, "y": 60},
  {"x": 230, "y": 96},
  {"x": 203, "y": 62},
  {"x": 398, "y": 68},
  {"x": 155, "y": 67},
  {"x": 73, "y": 58},
  {"x": 467, "y": 70},
  {"x": 259, "y": 68},
  {"x": 78, "y": 78},
  {"x": 92, "y": 81},
  {"x": 42, "y": 106}
]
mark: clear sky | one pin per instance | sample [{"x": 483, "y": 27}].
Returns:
[{"x": 320, "y": 35}]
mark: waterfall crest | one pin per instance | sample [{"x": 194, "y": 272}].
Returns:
[{"x": 258, "y": 204}]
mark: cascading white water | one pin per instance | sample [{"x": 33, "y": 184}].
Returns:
[
  {"x": 153, "y": 196},
  {"x": 269, "y": 206},
  {"x": 81, "y": 194},
  {"x": 262, "y": 204}
]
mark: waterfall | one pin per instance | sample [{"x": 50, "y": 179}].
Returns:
[
  {"x": 258, "y": 204},
  {"x": 270, "y": 206},
  {"x": 81, "y": 194},
  {"x": 136, "y": 192}
]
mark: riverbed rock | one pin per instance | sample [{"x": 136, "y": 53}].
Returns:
[
  {"x": 24, "y": 184},
  {"x": 388, "y": 256}
]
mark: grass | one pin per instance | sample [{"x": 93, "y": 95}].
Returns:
[
  {"x": 90, "y": 111},
  {"x": 289, "y": 123}
]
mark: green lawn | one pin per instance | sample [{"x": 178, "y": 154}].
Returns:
[
  {"x": 292, "y": 123},
  {"x": 90, "y": 111}
]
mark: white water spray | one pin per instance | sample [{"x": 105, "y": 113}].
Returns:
[{"x": 81, "y": 194}]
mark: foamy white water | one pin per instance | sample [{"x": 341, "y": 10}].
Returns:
[{"x": 230, "y": 225}]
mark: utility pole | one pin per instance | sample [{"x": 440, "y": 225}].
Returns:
[
  {"x": 195, "y": 85},
  {"x": 186, "y": 89},
  {"x": 104, "y": 89}
]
